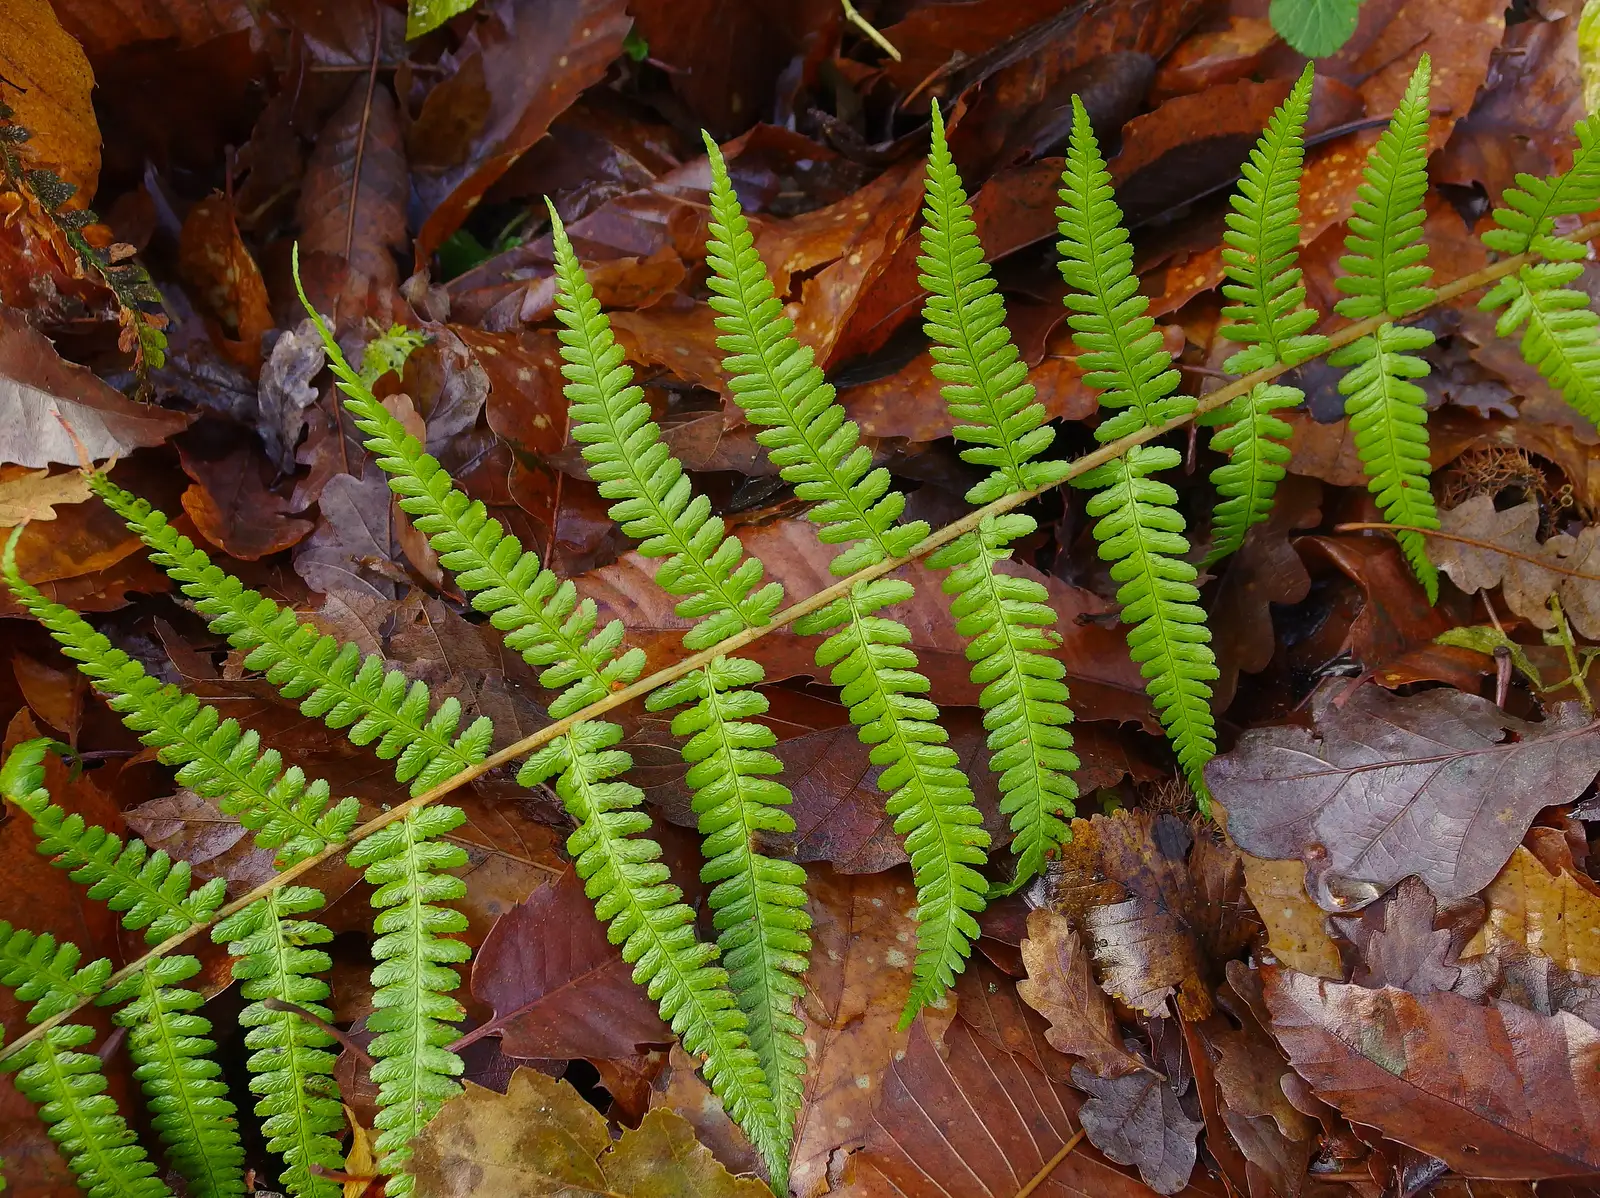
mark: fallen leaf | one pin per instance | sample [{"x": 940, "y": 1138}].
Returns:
[
  {"x": 33, "y": 495},
  {"x": 681, "y": 1089},
  {"x": 37, "y": 385},
  {"x": 1384, "y": 787},
  {"x": 1526, "y": 584},
  {"x": 541, "y": 1139},
  {"x": 1296, "y": 927},
  {"x": 354, "y": 549},
  {"x": 559, "y": 988},
  {"x": 515, "y": 71},
  {"x": 50, "y": 80},
  {"x": 214, "y": 260},
  {"x": 1147, "y": 957},
  {"x": 191, "y": 828},
  {"x": 104, "y": 26},
  {"x": 361, "y": 220},
  {"x": 359, "y": 1162},
  {"x": 1136, "y": 1120},
  {"x": 1060, "y": 985},
  {"x": 1405, "y": 940},
  {"x": 1395, "y": 616},
  {"x": 1214, "y": 56},
  {"x": 286, "y": 392},
  {"x": 1494, "y": 1091},
  {"x": 232, "y": 506},
  {"x": 968, "y": 1118},
  {"x": 1554, "y": 913}
]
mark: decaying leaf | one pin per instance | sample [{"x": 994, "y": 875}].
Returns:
[
  {"x": 1296, "y": 931},
  {"x": 50, "y": 80},
  {"x": 1406, "y": 940},
  {"x": 542, "y": 1140},
  {"x": 1382, "y": 787},
  {"x": 1494, "y": 1091},
  {"x": 1146, "y": 955},
  {"x": 1136, "y": 1120},
  {"x": 33, "y": 494},
  {"x": 1060, "y": 985},
  {"x": 1554, "y": 913},
  {"x": 1526, "y": 584}
]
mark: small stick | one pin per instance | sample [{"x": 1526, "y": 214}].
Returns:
[{"x": 343, "y": 1037}]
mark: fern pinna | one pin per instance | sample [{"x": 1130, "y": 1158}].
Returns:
[{"x": 1138, "y": 526}]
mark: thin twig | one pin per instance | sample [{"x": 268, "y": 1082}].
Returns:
[
  {"x": 866, "y": 27},
  {"x": 1043, "y": 1175},
  {"x": 1379, "y": 526},
  {"x": 339, "y": 1034},
  {"x": 361, "y": 137},
  {"x": 950, "y": 532}
]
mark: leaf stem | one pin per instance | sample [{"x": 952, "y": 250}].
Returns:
[
  {"x": 943, "y": 536},
  {"x": 1380, "y": 526}
]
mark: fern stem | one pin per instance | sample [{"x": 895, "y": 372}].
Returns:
[{"x": 832, "y": 594}]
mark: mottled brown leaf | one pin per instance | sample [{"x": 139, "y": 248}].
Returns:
[
  {"x": 1060, "y": 985},
  {"x": 1428, "y": 784},
  {"x": 1136, "y": 1120},
  {"x": 559, "y": 988},
  {"x": 362, "y": 220},
  {"x": 1494, "y": 1091},
  {"x": 1146, "y": 956},
  {"x": 1553, "y": 912}
]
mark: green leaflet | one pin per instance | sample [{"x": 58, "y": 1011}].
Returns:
[
  {"x": 815, "y": 448},
  {"x": 1138, "y": 528},
  {"x": 1007, "y": 619},
  {"x": 45, "y": 973},
  {"x": 1316, "y": 28},
  {"x": 1387, "y": 276},
  {"x": 621, "y": 869},
  {"x": 1267, "y": 315}
]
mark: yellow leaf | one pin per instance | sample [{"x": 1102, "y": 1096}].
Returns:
[
  {"x": 51, "y": 80},
  {"x": 358, "y": 1162},
  {"x": 1553, "y": 913},
  {"x": 1589, "y": 54},
  {"x": 1295, "y": 925},
  {"x": 33, "y": 495}
]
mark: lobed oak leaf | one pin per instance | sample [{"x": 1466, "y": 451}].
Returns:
[
  {"x": 1136, "y": 1120},
  {"x": 1060, "y": 985}
]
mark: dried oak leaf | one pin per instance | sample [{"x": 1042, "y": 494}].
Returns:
[
  {"x": 1527, "y": 585},
  {"x": 542, "y": 1140},
  {"x": 1060, "y": 985},
  {"x": 968, "y": 1118},
  {"x": 1495, "y": 1091},
  {"x": 1385, "y": 786},
  {"x": 37, "y": 386},
  {"x": 1147, "y": 956},
  {"x": 33, "y": 494},
  {"x": 558, "y": 987},
  {"x": 1406, "y": 940},
  {"x": 1136, "y": 1120}
]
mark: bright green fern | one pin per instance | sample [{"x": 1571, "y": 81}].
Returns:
[
  {"x": 1139, "y": 529},
  {"x": 804, "y": 428},
  {"x": 1008, "y": 620},
  {"x": 1387, "y": 276},
  {"x": 1268, "y": 317}
]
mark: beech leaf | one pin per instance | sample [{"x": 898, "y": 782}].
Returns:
[
  {"x": 1494, "y": 1091},
  {"x": 1440, "y": 784}
]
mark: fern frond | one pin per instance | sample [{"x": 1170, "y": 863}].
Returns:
[
  {"x": 1258, "y": 456},
  {"x": 291, "y": 1058},
  {"x": 333, "y": 682},
  {"x": 758, "y": 901},
  {"x": 815, "y": 448},
  {"x": 545, "y": 622},
  {"x": 1261, "y": 246},
  {"x": 1139, "y": 530},
  {"x": 1527, "y": 220},
  {"x": 213, "y": 755},
  {"x": 170, "y": 1047},
  {"x": 633, "y": 894},
  {"x": 1558, "y": 328},
  {"x": 69, "y": 1088},
  {"x": 412, "y": 1009},
  {"x": 46, "y": 973},
  {"x": 1007, "y": 620},
  {"x": 1387, "y": 275},
  {"x": 149, "y": 890}
]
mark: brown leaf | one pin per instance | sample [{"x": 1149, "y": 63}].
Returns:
[
  {"x": 1214, "y": 56},
  {"x": 55, "y": 695},
  {"x": 1494, "y": 1091},
  {"x": 559, "y": 988},
  {"x": 1060, "y": 985},
  {"x": 369, "y": 237},
  {"x": 540, "y": 1138},
  {"x": 1136, "y": 1120},
  {"x": 1553, "y": 912},
  {"x": 32, "y": 494},
  {"x": 1395, "y": 615},
  {"x": 107, "y": 25},
  {"x": 191, "y": 828},
  {"x": 1426, "y": 784},
  {"x": 680, "y": 1088},
  {"x": 50, "y": 80},
  {"x": 1404, "y": 940},
  {"x": 233, "y": 508},
  {"x": 1296, "y": 927},
  {"x": 213, "y": 259},
  {"x": 968, "y": 1118},
  {"x": 36, "y": 385},
  {"x": 355, "y": 548},
  {"x": 1146, "y": 956},
  {"x": 516, "y": 70}
]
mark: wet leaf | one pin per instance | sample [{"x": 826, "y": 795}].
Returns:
[
  {"x": 36, "y": 385},
  {"x": 107, "y": 25},
  {"x": 541, "y": 1140},
  {"x": 1136, "y": 1120},
  {"x": 1060, "y": 985},
  {"x": 1553, "y": 912},
  {"x": 216, "y": 263},
  {"x": 50, "y": 80},
  {"x": 1296, "y": 926},
  {"x": 1494, "y": 1091},
  {"x": 231, "y": 505},
  {"x": 559, "y": 988},
  {"x": 1405, "y": 940},
  {"x": 1383, "y": 787}
]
